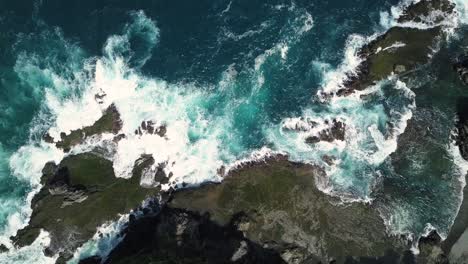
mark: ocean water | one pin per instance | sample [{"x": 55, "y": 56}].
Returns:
[{"x": 227, "y": 79}]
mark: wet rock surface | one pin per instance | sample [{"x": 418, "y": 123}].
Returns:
[
  {"x": 335, "y": 131},
  {"x": 400, "y": 50},
  {"x": 273, "y": 202},
  {"x": 110, "y": 122},
  {"x": 265, "y": 213},
  {"x": 78, "y": 195},
  {"x": 149, "y": 127},
  {"x": 268, "y": 212}
]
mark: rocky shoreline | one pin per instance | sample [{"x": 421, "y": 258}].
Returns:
[{"x": 262, "y": 212}]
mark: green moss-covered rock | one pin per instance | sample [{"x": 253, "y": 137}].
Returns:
[
  {"x": 400, "y": 50},
  {"x": 280, "y": 206},
  {"x": 78, "y": 195},
  {"x": 109, "y": 123},
  {"x": 416, "y": 12}
]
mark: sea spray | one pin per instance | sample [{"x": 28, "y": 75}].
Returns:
[{"x": 204, "y": 130}]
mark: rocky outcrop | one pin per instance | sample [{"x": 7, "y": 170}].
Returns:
[
  {"x": 461, "y": 67},
  {"x": 400, "y": 50},
  {"x": 265, "y": 213},
  {"x": 110, "y": 122},
  {"x": 430, "y": 250},
  {"x": 78, "y": 195},
  {"x": 335, "y": 131},
  {"x": 148, "y": 127}
]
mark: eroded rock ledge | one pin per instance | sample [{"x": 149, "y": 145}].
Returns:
[
  {"x": 266, "y": 213},
  {"x": 400, "y": 50}
]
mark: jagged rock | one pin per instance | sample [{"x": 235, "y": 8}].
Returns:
[
  {"x": 110, "y": 122},
  {"x": 430, "y": 249},
  {"x": 400, "y": 50},
  {"x": 330, "y": 160},
  {"x": 3, "y": 248},
  {"x": 79, "y": 195},
  {"x": 180, "y": 236},
  {"x": 461, "y": 67},
  {"x": 277, "y": 205},
  {"x": 149, "y": 128}
]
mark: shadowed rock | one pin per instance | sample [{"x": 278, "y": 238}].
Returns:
[
  {"x": 280, "y": 207},
  {"x": 461, "y": 67}
]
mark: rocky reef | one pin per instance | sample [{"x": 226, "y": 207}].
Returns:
[
  {"x": 461, "y": 67},
  {"x": 262, "y": 212},
  {"x": 400, "y": 50},
  {"x": 79, "y": 195},
  {"x": 109, "y": 123}
]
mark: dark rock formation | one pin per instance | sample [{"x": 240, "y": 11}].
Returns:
[
  {"x": 462, "y": 127},
  {"x": 110, "y": 122},
  {"x": 77, "y": 196},
  {"x": 265, "y": 213},
  {"x": 149, "y": 128},
  {"x": 179, "y": 236},
  {"x": 279, "y": 207},
  {"x": 400, "y": 50},
  {"x": 335, "y": 131},
  {"x": 430, "y": 249},
  {"x": 3, "y": 248}
]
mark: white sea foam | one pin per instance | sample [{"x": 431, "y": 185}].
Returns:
[
  {"x": 103, "y": 241},
  {"x": 333, "y": 80},
  {"x": 191, "y": 148},
  {"x": 461, "y": 7},
  {"x": 260, "y": 155},
  {"x": 392, "y": 47},
  {"x": 462, "y": 167},
  {"x": 27, "y": 164},
  {"x": 30, "y": 254}
]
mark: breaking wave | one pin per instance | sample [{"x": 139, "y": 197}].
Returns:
[{"x": 209, "y": 127}]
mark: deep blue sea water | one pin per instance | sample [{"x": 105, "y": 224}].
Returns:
[{"x": 226, "y": 77}]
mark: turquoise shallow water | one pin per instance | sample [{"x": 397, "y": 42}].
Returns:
[{"x": 226, "y": 77}]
